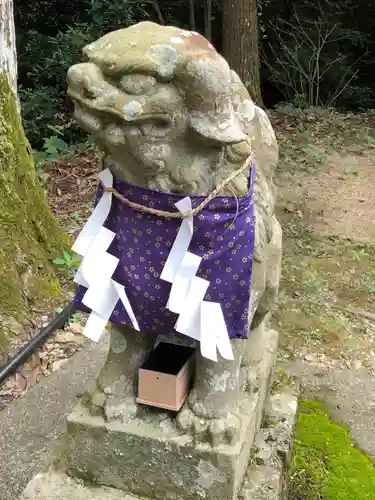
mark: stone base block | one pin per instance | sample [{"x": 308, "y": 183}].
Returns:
[
  {"x": 56, "y": 485},
  {"x": 150, "y": 456},
  {"x": 264, "y": 478}
]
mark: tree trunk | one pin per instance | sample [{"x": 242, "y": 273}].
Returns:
[
  {"x": 30, "y": 237},
  {"x": 241, "y": 43},
  {"x": 8, "y": 56},
  {"x": 158, "y": 13},
  {"x": 208, "y": 19},
  {"x": 191, "y": 15}
]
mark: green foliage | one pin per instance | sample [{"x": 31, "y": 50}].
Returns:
[
  {"x": 46, "y": 51},
  {"x": 47, "y": 45},
  {"x": 53, "y": 147},
  {"x": 43, "y": 65},
  {"x": 326, "y": 465},
  {"x": 320, "y": 53},
  {"x": 371, "y": 287},
  {"x": 313, "y": 53},
  {"x": 68, "y": 263}
]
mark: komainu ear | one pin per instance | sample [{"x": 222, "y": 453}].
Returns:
[{"x": 206, "y": 82}]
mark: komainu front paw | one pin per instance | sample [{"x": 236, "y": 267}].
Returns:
[
  {"x": 214, "y": 431},
  {"x": 123, "y": 409}
]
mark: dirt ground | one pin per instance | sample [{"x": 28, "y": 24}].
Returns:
[
  {"x": 327, "y": 209},
  {"x": 340, "y": 198},
  {"x": 326, "y": 309}
]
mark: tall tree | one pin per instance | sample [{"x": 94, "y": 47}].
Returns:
[
  {"x": 30, "y": 237},
  {"x": 241, "y": 42}
]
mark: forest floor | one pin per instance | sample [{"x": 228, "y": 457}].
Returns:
[{"x": 326, "y": 206}]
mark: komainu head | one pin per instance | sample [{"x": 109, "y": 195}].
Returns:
[{"x": 166, "y": 108}]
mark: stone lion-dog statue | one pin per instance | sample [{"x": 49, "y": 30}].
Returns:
[{"x": 171, "y": 116}]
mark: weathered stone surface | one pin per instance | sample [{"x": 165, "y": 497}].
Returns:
[
  {"x": 149, "y": 456},
  {"x": 54, "y": 485},
  {"x": 348, "y": 394},
  {"x": 33, "y": 424},
  {"x": 264, "y": 483},
  {"x": 172, "y": 116},
  {"x": 264, "y": 479}
]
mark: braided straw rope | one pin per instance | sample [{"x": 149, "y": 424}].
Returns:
[{"x": 181, "y": 215}]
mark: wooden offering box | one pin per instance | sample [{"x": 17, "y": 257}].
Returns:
[{"x": 167, "y": 376}]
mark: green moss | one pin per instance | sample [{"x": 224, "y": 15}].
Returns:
[
  {"x": 326, "y": 465},
  {"x": 269, "y": 422},
  {"x": 281, "y": 381},
  {"x": 30, "y": 237}
]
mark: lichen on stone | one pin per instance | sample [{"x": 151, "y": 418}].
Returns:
[{"x": 326, "y": 464}]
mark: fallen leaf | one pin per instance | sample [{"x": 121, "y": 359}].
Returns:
[
  {"x": 21, "y": 382},
  {"x": 64, "y": 337},
  {"x": 357, "y": 364},
  {"x": 75, "y": 328},
  {"x": 32, "y": 362},
  {"x": 31, "y": 376}
]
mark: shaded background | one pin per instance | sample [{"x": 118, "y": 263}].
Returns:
[{"x": 312, "y": 54}]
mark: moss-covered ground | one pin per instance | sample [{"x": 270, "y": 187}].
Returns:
[
  {"x": 327, "y": 298},
  {"x": 326, "y": 465}
]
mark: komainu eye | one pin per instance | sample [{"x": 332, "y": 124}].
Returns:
[
  {"x": 137, "y": 84},
  {"x": 89, "y": 94}
]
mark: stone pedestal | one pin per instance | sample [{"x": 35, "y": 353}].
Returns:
[
  {"x": 150, "y": 457},
  {"x": 264, "y": 478}
]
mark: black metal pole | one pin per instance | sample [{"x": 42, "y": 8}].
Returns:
[{"x": 22, "y": 355}]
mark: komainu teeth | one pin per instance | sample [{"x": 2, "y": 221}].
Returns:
[{"x": 153, "y": 130}]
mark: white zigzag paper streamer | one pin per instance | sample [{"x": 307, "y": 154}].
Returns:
[
  {"x": 97, "y": 268},
  {"x": 198, "y": 319}
]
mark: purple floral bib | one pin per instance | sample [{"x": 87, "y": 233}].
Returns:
[{"x": 223, "y": 236}]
